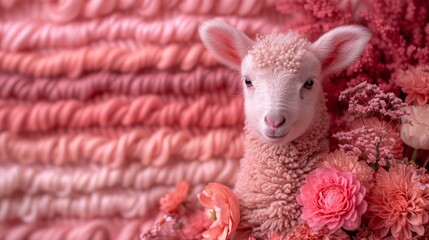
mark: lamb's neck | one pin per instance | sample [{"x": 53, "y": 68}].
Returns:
[{"x": 296, "y": 153}]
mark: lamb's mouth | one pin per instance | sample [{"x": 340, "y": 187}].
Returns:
[{"x": 275, "y": 138}]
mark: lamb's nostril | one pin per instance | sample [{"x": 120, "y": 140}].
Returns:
[{"x": 275, "y": 121}]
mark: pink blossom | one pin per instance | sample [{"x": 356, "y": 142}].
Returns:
[
  {"x": 415, "y": 83},
  {"x": 304, "y": 232},
  {"x": 415, "y": 129},
  {"x": 171, "y": 201},
  {"x": 421, "y": 179},
  {"x": 374, "y": 134},
  {"x": 397, "y": 205},
  {"x": 222, "y": 208},
  {"x": 332, "y": 199},
  {"x": 367, "y": 99},
  {"x": 346, "y": 163},
  {"x": 195, "y": 224}
]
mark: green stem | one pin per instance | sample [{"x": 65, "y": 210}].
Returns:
[
  {"x": 377, "y": 148},
  {"x": 426, "y": 162},
  {"x": 414, "y": 156}
]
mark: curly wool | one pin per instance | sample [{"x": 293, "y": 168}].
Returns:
[{"x": 271, "y": 176}]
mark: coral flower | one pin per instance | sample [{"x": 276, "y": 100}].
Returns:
[
  {"x": 397, "y": 205},
  {"x": 345, "y": 163},
  {"x": 415, "y": 83},
  {"x": 415, "y": 133},
  {"x": 332, "y": 199},
  {"x": 171, "y": 201},
  {"x": 222, "y": 208}
]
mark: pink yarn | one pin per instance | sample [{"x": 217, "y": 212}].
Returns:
[
  {"x": 123, "y": 203},
  {"x": 206, "y": 111},
  {"x": 76, "y": 62},
  {"x": 109, "y": 203},
  {"x": 93, "y": 85},
  {"x": 69, "y": 229},
  {"x": 66, "y": 181},
  {"x": 148, "y": 146},
  {"x": 69, "y": 10},
  {"x": 24, "y": 35}
]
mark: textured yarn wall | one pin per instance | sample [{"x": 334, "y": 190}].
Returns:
[{"x": 106, "y": 105}]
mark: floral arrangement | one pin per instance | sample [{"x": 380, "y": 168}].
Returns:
[{"x": 371, "y": 187}]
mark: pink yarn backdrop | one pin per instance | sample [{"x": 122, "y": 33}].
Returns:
[{"x": 106, "y": 105}]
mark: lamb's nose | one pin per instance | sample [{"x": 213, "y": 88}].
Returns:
[{"x": 275, "y": 121}]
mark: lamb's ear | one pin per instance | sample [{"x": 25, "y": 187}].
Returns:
[
  {"x": 340, "y": 47},
  {"x": 227, "y": 44}
]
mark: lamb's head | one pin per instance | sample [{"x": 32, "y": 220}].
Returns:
[{"x": 282, "y": 73}]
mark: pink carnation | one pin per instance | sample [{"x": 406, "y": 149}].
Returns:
[
  {"x": 222, "y": 208},
  {"x": 415, "y": 83},
  {"x": 332, "y": 199},
  {"x": 345, "y": 163},
  {"x": 171, "y": 201},
  {"x": 397, "y": 205}
]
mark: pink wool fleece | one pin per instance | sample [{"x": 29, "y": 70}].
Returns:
[
  {"x": 99, "y": 84},
  {"x": 76, "y": 62},
  {"x": 117, "y": 30},
  {"x": 271, "y": 176},
  {"x": 209, "y": 110},
  {"x": 72, "y": 10}
]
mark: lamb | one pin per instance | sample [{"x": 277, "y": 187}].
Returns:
[{"x": 286, "y": 117}]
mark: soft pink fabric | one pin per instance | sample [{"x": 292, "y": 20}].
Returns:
[
  {"x": 69, "y": 10},
  {"x": 74, "y": 63},
  {"x": 200, "y": 80},
  {"x": 156, "y": 146},
  {"x": 204, "y": 111},
  {"x": 69, "y": 229},
  {"x": 24, "y": 35},
  {"x": 109, "y": 203},
  {"x": 65, "y": 181}
]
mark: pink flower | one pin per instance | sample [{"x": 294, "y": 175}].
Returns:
[
  {"x": 222, "y": 207},
  {"x": 415, "y": 83},
  {"x": 195, "y": 224},
  {"x": 390, "y": 139},
  {"x": 397, "y": 205},
  {"x": 332, "y": 199},
  {"x": 171, "y": 201},
  {"x": 304, "y": 232},
  {"x": 345, "y": 163},
  {"x": 415, "y": 133}
]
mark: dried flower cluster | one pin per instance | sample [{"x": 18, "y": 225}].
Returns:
[
  {"x": 373, "y": 136},
  {"x": 369, "y": 100}
]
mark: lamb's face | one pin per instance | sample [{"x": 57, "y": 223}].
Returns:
[
  {"x": 282, "y": 73},
  {"x": 280, "y": 104}
]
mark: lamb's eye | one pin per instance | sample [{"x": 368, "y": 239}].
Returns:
[
  {"x": 309, "y": 83},
  {"x": 248, "y": 82}
]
